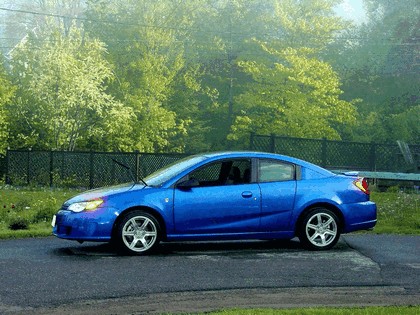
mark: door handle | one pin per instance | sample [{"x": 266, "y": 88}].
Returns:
[{"x": 247, "y": 194}]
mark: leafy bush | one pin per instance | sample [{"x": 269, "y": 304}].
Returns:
[{"x": 19, "y": 223}]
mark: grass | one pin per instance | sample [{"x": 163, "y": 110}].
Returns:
[
  {"x": 398, "y": 212},
  {"x": 27, "y": 212},
  {"x": 386, "y": 310}
]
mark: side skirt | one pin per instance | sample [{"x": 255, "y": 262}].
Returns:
[{"x": 227, "y": 236}]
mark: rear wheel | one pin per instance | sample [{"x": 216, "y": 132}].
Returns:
[
  {"x": 138, "y": 232},
  {"x": 320, "y": 229}
]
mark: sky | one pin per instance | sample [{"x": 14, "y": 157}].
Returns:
[
  {"x": 353, "y": 10},
  {"x": 349, "y": 9}
]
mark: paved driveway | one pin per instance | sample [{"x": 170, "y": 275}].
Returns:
[{"x": 48, "y": 275}]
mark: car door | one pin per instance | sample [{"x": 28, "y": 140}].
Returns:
[
  {"x": 219, "y": 199},
  {"x": 277, "y": 181}
]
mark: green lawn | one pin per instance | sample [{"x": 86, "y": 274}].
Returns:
[
  {"x": 398, "y": 213},
  {"x": 27, "y": 212},
  {"x": 387, "y": 310}
]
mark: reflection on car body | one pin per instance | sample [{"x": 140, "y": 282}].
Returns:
[{"x": 222, "y": 196}]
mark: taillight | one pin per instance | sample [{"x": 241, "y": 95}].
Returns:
[{"x": 362, "y": 184}]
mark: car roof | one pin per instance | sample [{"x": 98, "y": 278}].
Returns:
[{"x": 266, "y": 155}]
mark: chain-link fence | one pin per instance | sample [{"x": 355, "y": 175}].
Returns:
[
  {"x": 341, "y": 154},
  {"x": 96, "y": 169},
  {"x": 2, "y": 166},
  {"x": 80, "y": 169}
]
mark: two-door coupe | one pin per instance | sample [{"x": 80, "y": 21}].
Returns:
[{"x": 222, "y": 196}]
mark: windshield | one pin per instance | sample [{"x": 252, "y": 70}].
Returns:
[{"x": 164, "y": 174}]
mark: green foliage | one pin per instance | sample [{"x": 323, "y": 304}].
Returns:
[
  {"x": 18, "y": 223},
  {"x": 293, "y": 92},
  {"x": 188, "y": 76},
  {"x": 6, "y": 93},
  {"x": 29, "y": 209},
  {"x": 378, "y": 64},
  {"x": 150, "y": 63},
  {"x": 61, "y": 98}
]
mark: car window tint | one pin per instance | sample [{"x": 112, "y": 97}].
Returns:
[
  {"x": 208, "y": 173},
  {"x": 226, "y": 172},
  {"x": 160, "y": 176},
  {"x": 239, "y": 172},
  {"x": 273, "y": 171}
]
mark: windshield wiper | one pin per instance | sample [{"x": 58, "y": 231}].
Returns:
[{"x": 130, "y": 171}]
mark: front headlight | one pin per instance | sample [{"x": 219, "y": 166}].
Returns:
[{"x": 86, "y": 205}]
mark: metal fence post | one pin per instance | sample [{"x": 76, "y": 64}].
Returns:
[
  {"x": 136, "y": 155},
  {"x": 91, "y": 170},
  {"x": 28, "y": 166},
  {"x": 251, "y": 140},
  {"x": 373, "y": 156},
  {"x": 324, "y": 152},
  {"x": 51, "y": 169},
  {"x": 273, "y": 143},
  {"x": 7, "y": 178}
]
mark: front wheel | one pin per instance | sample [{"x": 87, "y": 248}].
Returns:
[
  {"x": 320, "y": 229},
  {"x": 138, "y": 232}
]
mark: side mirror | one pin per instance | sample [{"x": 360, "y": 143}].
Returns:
[{"x": 188, "y": 184}]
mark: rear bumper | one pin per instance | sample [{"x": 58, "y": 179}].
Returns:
[{"x": 359, "y": 216}]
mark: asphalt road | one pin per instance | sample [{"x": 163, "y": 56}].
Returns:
[{"x": 50, "y": 276}]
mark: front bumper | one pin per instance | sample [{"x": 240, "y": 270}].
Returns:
[{"x": 84, "y": 226}]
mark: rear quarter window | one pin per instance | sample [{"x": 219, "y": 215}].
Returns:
[{"x": 275, "y": 171}]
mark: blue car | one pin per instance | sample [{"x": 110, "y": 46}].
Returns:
[{"x": 222, "y": 196}]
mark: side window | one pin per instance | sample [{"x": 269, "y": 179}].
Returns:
[
  {"x": 226, "y": 172},
  {"x": 275, "y": 171},
  {"x": 209, "y": 173},
  {"x": 239, "y": 172}
]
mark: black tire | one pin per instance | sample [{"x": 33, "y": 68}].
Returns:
[
  {"x": 138, "y": 233},
  {"x": 319, "y": 229}
]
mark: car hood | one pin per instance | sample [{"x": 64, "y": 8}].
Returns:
[{"x": 102, "y": 192}]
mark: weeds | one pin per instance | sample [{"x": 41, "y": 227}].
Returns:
[
  {"x": 398, "y": 212},
  {"x": 29, "y": 209}
]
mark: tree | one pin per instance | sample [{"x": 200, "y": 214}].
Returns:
[
  {"x": 144, "y": 44},
  {"x": 379, "y": 64},
  {"x": 298, "y": 96},
  {"x": 62, "y": 100},
  {"x": 293, "y": 92},
  {"x": 6, "y": 93},
  {"x": 204, "y": 38}
]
